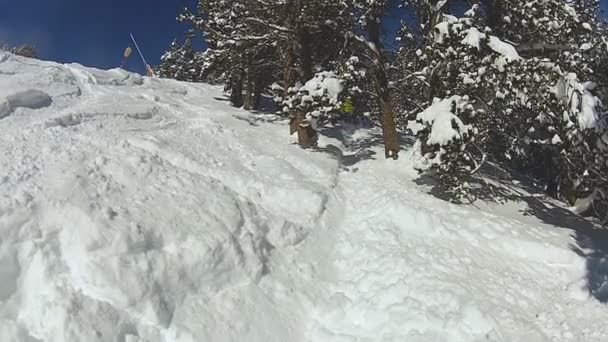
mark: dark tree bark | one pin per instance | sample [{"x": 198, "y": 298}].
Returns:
[
  {"x": 307, "y": 136},
  {"x": 428, "y": 16},
  {"x": 389, "y": 129},
  {"x": 249, "y": 86},
  {"x": 299, "y": 48},
  {"x": 236, "y": 90},
  {"x": 258, "y": 88},
  {"x": 255, "y": 87},
  {"x": 306, "y": 55},
  {"x": 494, "y": 13},
  {"x": 552, "y": 164},
  {"x": 291, "y": 58}
]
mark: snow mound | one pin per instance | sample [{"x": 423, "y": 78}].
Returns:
[
  {"x": 113, "y": 77},
  {"x": 121, "y": 222},
  {"x": 32, "y": 99},
  {"x": 19, "y": 74}
]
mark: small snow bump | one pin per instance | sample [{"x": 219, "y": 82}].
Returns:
[{"x": 32, "y": 98}]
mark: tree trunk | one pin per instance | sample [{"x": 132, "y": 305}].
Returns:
[
  {"x": 305, "y": 55},
  {"x": 389, "y": 129},
  {"x": 258, "y": 88},
  {"x": 236, "y": 90},
  {"x": 249, "y": 91},
  {"x": 495, "y": 12},
  {"x": 290, "y": 77},
  {"x": 300, "y": 44},
  {"x": 428, "y": 16},
  {"x": 307, "y": 136},
  {"x": 553, "y": 169}
]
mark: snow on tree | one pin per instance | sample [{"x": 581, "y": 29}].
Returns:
[
  {"x": 369, "y": 14},
  {"x": 256, "y": 44},
  {"x": 518, "y": 83},
  {"x": 25, "y": 51},
  {"x": 319, "y": 99},
  {"x": 181, "y": 62},
  {"x": 444, "y": 139},
  {"x": 531, "y": 109}
]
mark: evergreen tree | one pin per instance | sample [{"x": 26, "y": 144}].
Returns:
[
  {"x": 181, "y": 62},
  {"x": 522, "y": 98},
  {"x": 24, "y": 50},
  {"x": 518, "y": 83},
  {"x": 368, "y": 15}
]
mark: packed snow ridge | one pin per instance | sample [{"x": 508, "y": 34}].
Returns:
[{"x": 137, "y": 209}]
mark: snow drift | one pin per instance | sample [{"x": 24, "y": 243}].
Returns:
[{"x": 137, "y": 209}]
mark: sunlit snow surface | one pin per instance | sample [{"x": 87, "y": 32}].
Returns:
[{"x": 136, "y": 209}]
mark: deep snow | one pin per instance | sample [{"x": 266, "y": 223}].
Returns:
[{"x": 136, "y": 209}]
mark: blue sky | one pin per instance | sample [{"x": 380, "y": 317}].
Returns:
[
  {"x": 96, "y": 32},
  {"x": 91, "y": 32}
]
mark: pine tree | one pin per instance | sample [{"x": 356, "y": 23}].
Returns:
[
  {"x": 181, "y": 62},
  {"x": 24, "y": 50},
  {"x": 368, "y": 15},
  {"x": 519, "y": 97},
  {"x": 169, "y": 62}
]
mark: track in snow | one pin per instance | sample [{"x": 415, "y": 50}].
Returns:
[{"x": 407, "y": 267}]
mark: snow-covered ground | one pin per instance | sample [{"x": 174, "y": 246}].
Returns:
[{"x": 136, "y": 209}]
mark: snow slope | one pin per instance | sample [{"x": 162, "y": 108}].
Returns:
[{"x": 136, "y": 209}]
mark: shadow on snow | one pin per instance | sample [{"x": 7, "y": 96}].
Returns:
[
  {"x": 358, "y": 149},
  {"x": 590, "y": 239}
]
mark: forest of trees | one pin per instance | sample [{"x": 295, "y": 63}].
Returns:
[{"x": 519, "y": 84}]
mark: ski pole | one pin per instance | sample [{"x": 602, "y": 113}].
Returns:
[{"x": 148, "y": 68}]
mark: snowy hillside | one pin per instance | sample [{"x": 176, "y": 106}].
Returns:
[{"x": 136, "y": 209}]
